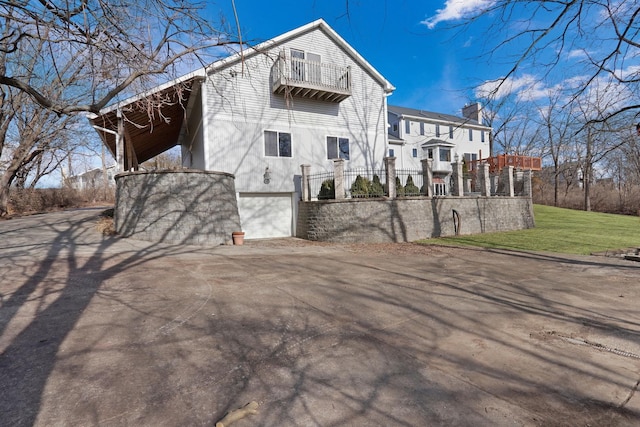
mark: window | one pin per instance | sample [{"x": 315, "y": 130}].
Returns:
[
  {"x": 414, "y": 152},
  {"x": 437, "y": 130},
  {"x": 421, "y": 128},
  {"x": 297, "y": 64},
  {"x": 392, "y": 152},
  {"x": 481, "y": 136},
  {"x": 445, "y": 154},
  {"x": 407, "y": 126},
  {"x": 337, "y": 148},
  {"x": 450, "y": 131},
  {"x": 395, "y": 127},
  {"x": 277, "y": 144},
  {"x": 429, "y": 152},
  {"x": 470, "y": 134}
]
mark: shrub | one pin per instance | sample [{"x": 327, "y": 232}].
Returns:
[
  {"x": 327, "y": 190},
  {"x": 399, "y": 188},
  {"x": 376, "y": 189},
  {"x": 411, "y": 189},
  {"x": 360, "y": 187}
]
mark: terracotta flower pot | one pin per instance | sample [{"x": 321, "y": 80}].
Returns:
[{"x": 238, "y": 237}]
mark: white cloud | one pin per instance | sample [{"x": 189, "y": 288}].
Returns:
[{"x": 457, "y": 9}]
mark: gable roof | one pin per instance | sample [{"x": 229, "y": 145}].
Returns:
[
  {"x": 430, "y": 115},
  {"x": 317, "y": 24},
  {"x": 152, "y": 137}
]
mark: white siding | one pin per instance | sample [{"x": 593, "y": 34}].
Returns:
[
  {"x": 241, "y": 106},
  {"x": 460, "y": 139}
]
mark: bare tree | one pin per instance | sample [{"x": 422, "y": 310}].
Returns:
[
  {"x": 534, "y": 34},
  {"x": 60, "y": 57},
  {"x": 100, "y": 49}
]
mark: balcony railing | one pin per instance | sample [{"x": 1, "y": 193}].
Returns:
[
  {"x": 310, "y": 79},
  {"x": 497, "y": 163}
]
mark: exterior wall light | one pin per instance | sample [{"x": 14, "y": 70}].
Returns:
[{"x": 267, "y": 175}]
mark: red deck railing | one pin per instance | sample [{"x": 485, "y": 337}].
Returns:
[{"x": 497, "y": 163}]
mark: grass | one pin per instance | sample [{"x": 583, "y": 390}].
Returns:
[{"x": 561, "y": 230}]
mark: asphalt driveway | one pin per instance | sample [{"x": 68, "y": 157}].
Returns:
[{"x": 114, "y": 332}]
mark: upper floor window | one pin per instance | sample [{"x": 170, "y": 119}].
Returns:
[
  {"x": 395, "y": 127},
  {"x": 450, "y": 131},
  {"x": 277, "y": 144},
  {"x": 421, "y": 128},
  {"x": 481, "y": 136},
  {"x": 392, "y": 153},
  {"x": 437, "y": 130},
  {"x": 470, "y": 134},
  {"x": 337, "y": 148},
  {"x": 414, "y": 152},
  {"x": 407, "y": 126},
  {"x": 429, "y": 153}
]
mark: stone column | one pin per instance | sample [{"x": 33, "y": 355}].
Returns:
[
  {"x": 338, "y": 177},
  {"x": 304, "y": 182},
  {"x": 528, "y": 191},
  {"x": 506, "y": 176},
  {"x": 427, "y": 177},
  {"x": 485, "y": 181},
  {"x": 458, "y": 177},
  {"x": 390, "y": 167}
]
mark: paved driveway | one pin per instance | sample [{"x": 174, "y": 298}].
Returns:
[{"x": 111, "y": 332}]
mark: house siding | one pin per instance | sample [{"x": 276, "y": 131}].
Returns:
[{"x": 240, "y": 106}]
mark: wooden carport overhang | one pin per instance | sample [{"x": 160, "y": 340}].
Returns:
[{"x": 147, "y": 125}]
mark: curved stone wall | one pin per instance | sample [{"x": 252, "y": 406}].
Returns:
[{"x": 177, "y": 206}]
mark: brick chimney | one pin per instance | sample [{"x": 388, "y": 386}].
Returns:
[{"x": 473, "y": 112}]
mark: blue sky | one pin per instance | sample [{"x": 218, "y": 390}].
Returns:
[{"x": 432, "y": 68}]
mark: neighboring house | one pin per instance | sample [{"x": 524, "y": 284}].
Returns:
[
  {"x": 416, "y": 134},
  {"x": 95, "y": 178},
  {"x": 304, "y": 97}
]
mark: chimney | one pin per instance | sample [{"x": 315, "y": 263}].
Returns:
[{"x": 473, "y": 112}]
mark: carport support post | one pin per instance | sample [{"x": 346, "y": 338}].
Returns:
[
  {"x": 390, "y": 168},
  {"x": 485, "y": 180},
  {"x": 306, "y": 192},
  {"x": 338, "y": 178},
  {"x": 427, "y": 177},
  {"x": 458, "y": 176},
  {"x": 120, "y": 142}
]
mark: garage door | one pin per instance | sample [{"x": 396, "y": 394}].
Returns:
[{"x": 266, "y": 215}]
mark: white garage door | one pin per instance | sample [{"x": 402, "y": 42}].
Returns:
[{"x": 266, "y": 215}]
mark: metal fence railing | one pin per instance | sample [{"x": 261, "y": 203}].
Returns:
[
  {"x": 409, "y": 182},
  {"x": 365, "y": 183}
]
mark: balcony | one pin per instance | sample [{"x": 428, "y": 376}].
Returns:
[{"x": 311, "y": 80}]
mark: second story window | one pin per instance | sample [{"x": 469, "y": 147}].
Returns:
[
  {"x": 421, "y": 128},
  {"x": 451, "y": 132},
  {"x": 277, "y": 144},
  {"x": 437, "y": 131},
  {"x": 414, "y": 153},
  {"x": 470, "y": 134},
  {"x": 407, "y": 126},
  {"x": 481, "y": 136},
  {"x": 445, "y": 154}
]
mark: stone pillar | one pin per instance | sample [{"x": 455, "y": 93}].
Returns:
[
  {"x": 528, "y": 191},
  {"x": 390, "y": 167},
  {"x": 338, "y": 177},
  {"x": 458, "y": 177},
  {"x": 485, "y": 181},
  {"x": 506, "y": 177},
  {"x": 427, "y": 177},
  {"x": 304, "y": 182}
]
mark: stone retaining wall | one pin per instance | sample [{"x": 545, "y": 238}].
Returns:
[
  {"x": 409, "y": 219},
  {"x": 182, "y": 206}
]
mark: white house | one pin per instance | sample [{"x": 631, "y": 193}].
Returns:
[
  {"x": 416, "y": 134},
  {"x": 304, "y": 97}
]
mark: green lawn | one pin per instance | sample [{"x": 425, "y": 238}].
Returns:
[{"x": 561, "y": 230}]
